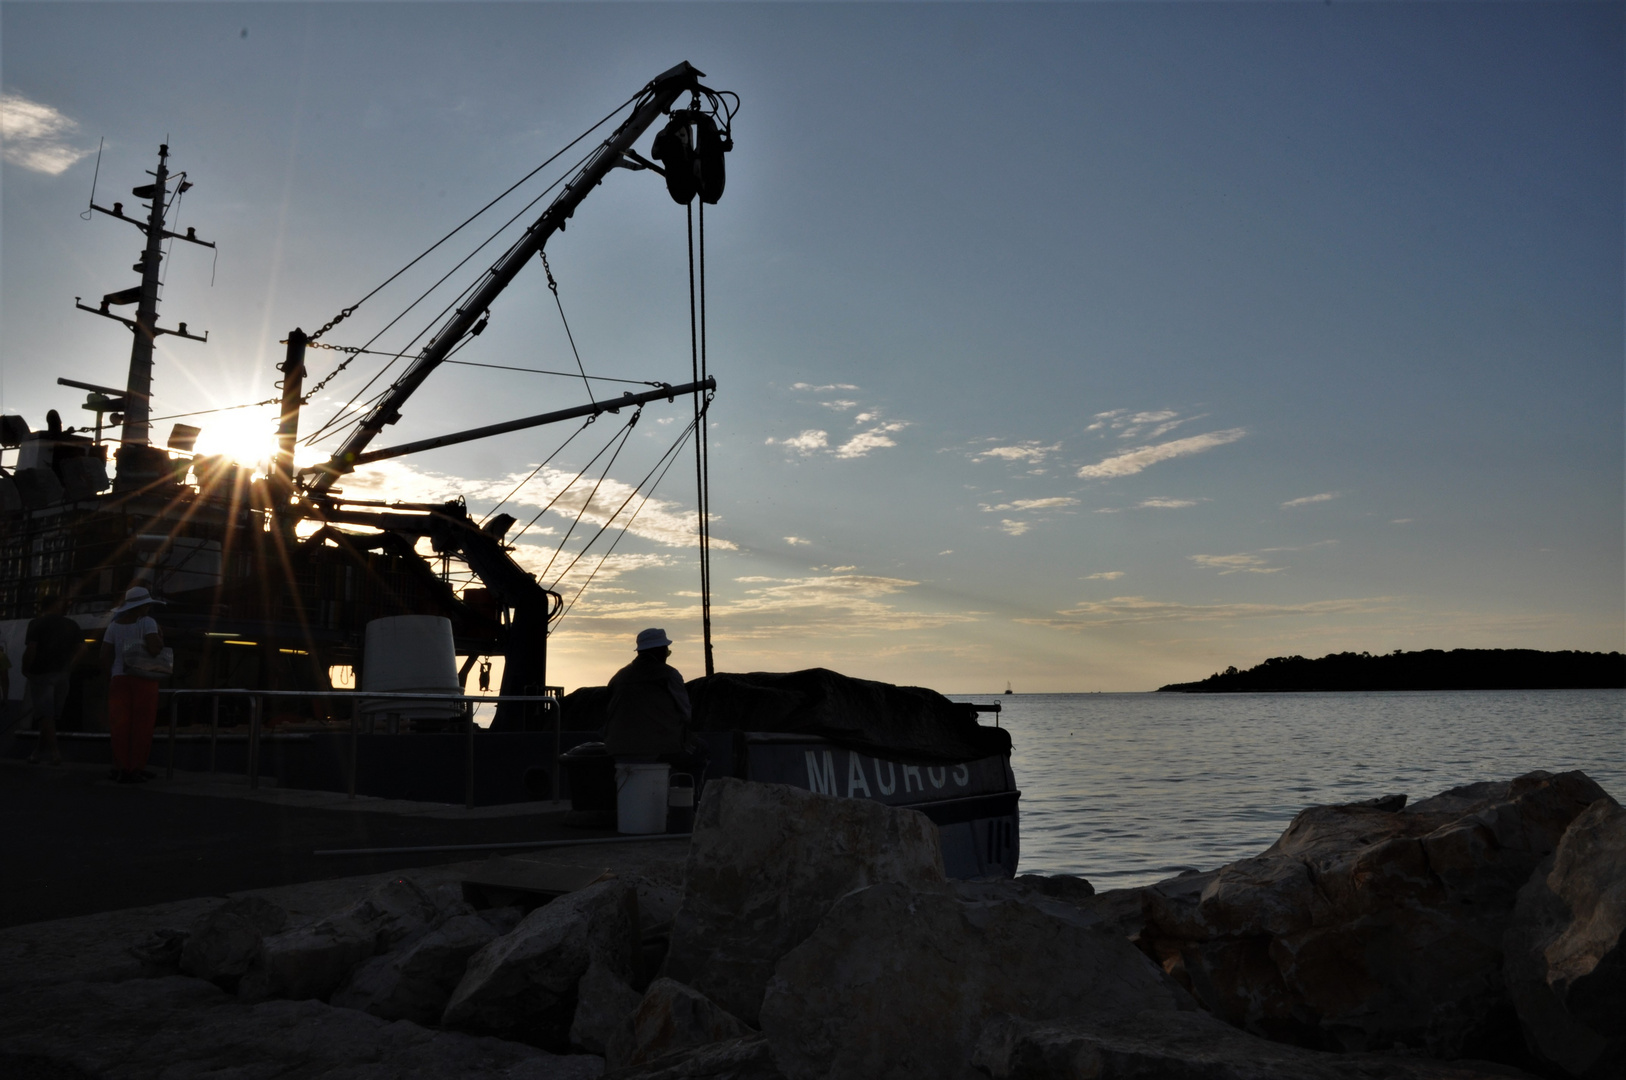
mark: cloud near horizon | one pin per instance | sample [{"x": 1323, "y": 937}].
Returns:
[
  {"x": 1325, "y": 496},
  {"x": 1168, "y": 504},
  {"x": 1130, "y": 462},
  {"x": 36, "y": 136},
  {"x": 1121, "y": 610}
]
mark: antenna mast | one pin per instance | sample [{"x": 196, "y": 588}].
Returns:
[{"x": 134, "y": 470}]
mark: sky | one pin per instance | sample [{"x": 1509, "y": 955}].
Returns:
[{"x": 1080, "y": 347}]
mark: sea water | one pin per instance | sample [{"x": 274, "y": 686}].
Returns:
[{"x": 1127, "y": 789}]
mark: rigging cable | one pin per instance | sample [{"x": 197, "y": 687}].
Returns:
[
  {"x": 345, "y": 313},
  {"x": 696, "y": 336},
  {"x": 306, "y": 398},
  {"x": 553, "y": 287},
  {"x": 564, "y": 489},
  {"x": 602, "y": 529},
  {"x": 626, "y": 433},
  {"x": 472, "y": 363},
  {"x": 670, "y": 458},
  {"x": 539, "y": 468}
]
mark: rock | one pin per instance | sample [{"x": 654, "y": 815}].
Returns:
[
  {"x": 415, "y": 982},
  {"x": 670, "y": 1019},
  {"x": 604, "y": 1000},
  {"x": 180, "y": 1028},
  {"x": 897, "y": 983},
  {"x": 223, "y": 944},
  {"x": 1183, "y": 1046},
  {"x": 745, "y": 1058},
  {"x": 313, "y": 961},
  {"x": 1069, "y": 887},
  {"x": 766, "y": 861},
  {"x": 523, "y": 984},
  {"x": 1368, "y": 927},
  {"x": 1566, "y": 961}
]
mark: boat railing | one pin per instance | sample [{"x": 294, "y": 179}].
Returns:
[{"x": 359, "y": 698}]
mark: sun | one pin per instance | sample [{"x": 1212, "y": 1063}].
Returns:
[{"x": 247, "y": 436}]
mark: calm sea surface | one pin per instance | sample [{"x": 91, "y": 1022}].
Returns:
[{"x": 1127, "y": 789}]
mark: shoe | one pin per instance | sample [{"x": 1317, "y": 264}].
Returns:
[
  {"x": 115, "y": 775},
  {"x": 137, "y": 777}
]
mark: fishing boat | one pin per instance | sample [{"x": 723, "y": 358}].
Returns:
[{"x": 274, "y": 582}]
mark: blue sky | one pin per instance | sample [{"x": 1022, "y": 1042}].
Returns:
[{"x": 1081, "y": 346}]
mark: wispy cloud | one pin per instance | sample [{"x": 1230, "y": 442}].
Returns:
[
  {"x": 1151, "y": 424},
  {"x": 1032, "y": 452},
  {"x": 840, "y": 405},
  {"x": 873, "y": 439},
  {"x": 37, "y": 137},
  {"x": 1242, "y": 563},
  {"x": 1130, "y": 462},
  {"x": 1325, "y": 496},
  {"x": 1105, "y": 575},
  {"x": 1015, "y": 528},
  {"x": 822, "y": 389},
  {"x": 1121, "y": 610},
  {"x": 796, "y": 541},
  {"x": 1168, "y": 504},
  {"x": 807, "y": 442},
  {"x": 1052, "y": 503}
]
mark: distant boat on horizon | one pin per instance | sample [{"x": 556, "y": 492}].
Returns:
[{"x": 1008, "y": 689}]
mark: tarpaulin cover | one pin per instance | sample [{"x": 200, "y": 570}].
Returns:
[{"x": 902, "y": 723}]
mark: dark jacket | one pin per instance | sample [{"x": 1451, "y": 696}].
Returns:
[{"x": 648, "y": 712}]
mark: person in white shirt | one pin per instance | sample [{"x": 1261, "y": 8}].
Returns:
[{"x": 132, "y": 700}]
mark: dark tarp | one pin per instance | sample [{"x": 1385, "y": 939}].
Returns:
[{"x": 909, "y": 724}]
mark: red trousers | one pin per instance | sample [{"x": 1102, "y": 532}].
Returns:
[{"x": 132, "y": 709}]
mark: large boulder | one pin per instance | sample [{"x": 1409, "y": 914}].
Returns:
[
  {"x": 523, "y": 984},
  {"x": 1183, "y": 1046},
  {"x": 415, "y": 982},
  {"x": 1566, "y": 961},
  {"x": 766, "y": 861},
  {"x": 670, "y": 1019},
  {"x": 225, "y": 943},
  {"x": 313, "y": 961},
  {"x": 1371, "y": 925},
  {"x": 604, "y": 1000},
  {"x": 897, "y": 982}
]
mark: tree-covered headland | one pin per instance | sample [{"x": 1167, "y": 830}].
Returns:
[{"x": 1429, "y": 669}]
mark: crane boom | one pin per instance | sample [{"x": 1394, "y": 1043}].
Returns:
[{"x": 655, "y": 100}]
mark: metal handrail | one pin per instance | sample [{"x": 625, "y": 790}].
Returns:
[{"x": 256, "y": 710}]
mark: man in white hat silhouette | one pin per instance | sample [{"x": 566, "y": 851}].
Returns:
[{"x": 648, "y": 713}]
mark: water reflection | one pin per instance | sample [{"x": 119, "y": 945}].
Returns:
[{"x": 1127, "y": 789}]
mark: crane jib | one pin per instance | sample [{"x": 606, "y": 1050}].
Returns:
[
  {"x": 656, "y": 101},
  {"x": 706, "y": 385}
]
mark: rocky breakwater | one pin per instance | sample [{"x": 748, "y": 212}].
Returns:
[
  {"x": 1483, "y": 922},
  {"x": 818, "y": 940}
]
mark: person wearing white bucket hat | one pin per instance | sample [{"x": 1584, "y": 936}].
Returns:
[
  {"x": 132, "y": 700},
  {"x": 648, "y": 710}
]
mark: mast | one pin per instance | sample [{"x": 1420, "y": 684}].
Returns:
[
  {"x": 138, "y": 384},
  {"x": 134, "y": 470}
]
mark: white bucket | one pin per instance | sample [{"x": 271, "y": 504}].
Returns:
[{"x": 640, "y": 797}]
